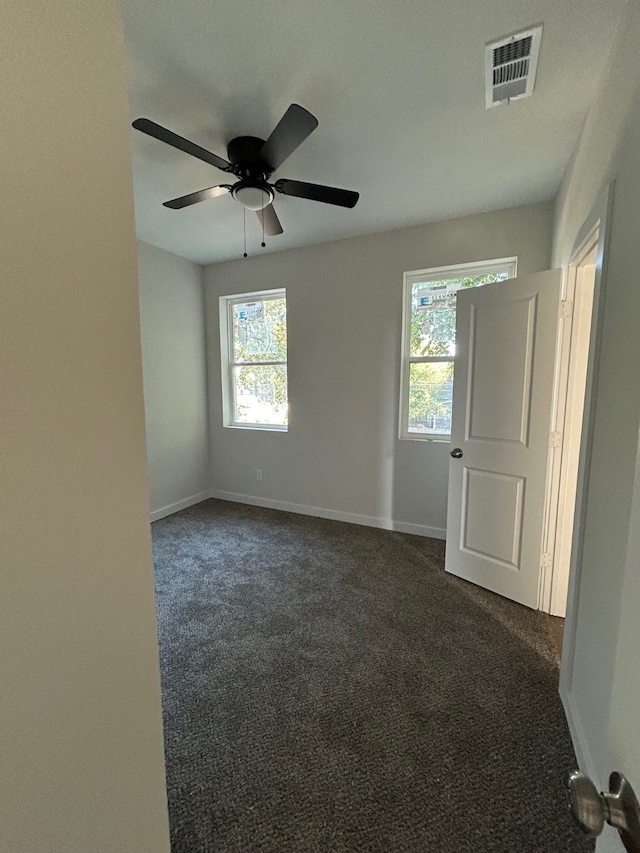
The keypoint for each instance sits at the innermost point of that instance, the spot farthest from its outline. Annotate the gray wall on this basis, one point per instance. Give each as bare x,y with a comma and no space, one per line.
341,455
175,387
606,660
82,766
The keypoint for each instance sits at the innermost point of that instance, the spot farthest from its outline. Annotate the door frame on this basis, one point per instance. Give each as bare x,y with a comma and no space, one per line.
598,219
572,351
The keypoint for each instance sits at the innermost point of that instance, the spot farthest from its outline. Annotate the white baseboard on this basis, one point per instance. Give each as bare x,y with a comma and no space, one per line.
418,529
157,514
335,515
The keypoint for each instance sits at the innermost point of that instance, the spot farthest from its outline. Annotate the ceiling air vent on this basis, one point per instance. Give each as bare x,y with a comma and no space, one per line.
510,66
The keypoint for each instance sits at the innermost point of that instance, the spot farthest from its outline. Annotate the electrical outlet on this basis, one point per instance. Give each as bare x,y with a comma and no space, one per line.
258,473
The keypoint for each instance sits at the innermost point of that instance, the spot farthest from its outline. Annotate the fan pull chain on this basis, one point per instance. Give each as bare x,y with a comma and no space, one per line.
263,244
244,227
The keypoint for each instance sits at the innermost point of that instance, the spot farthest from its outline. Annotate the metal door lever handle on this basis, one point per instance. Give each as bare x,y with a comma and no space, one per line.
456,453
619,808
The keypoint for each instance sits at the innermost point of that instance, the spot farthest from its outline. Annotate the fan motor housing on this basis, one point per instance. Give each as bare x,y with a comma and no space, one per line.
243,152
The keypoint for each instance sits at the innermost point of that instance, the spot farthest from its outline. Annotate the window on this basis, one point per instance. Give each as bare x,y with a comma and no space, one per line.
428,342
253,342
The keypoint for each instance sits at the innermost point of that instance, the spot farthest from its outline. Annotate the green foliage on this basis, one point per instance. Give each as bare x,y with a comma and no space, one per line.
266,382
264,339
263,386
430,387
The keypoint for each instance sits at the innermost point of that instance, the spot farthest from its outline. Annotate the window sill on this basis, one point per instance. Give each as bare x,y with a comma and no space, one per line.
258,427
438,439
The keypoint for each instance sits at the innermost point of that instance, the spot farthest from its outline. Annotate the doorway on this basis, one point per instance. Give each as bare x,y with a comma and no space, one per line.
523,545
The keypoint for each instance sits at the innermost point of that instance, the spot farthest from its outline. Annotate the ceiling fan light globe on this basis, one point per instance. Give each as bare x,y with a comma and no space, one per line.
252,196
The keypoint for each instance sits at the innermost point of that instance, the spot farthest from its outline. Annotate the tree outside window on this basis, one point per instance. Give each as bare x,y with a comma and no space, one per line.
255,332
429,343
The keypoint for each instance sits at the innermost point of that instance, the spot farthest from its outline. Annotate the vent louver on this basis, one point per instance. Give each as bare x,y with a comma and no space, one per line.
510,66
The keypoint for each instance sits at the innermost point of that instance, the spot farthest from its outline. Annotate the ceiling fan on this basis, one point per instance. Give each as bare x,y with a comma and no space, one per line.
252,161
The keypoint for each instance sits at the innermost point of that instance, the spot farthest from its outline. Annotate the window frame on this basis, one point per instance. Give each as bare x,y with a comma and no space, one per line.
228,364
424,276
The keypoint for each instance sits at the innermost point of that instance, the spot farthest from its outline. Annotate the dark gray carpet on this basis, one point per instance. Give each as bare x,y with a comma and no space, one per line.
327,687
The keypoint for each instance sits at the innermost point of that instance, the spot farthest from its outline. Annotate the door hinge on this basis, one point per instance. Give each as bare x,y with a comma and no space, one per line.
547,561
566,309
555,439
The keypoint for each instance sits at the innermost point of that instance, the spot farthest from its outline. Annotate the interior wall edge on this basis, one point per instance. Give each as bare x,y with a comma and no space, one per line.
174,361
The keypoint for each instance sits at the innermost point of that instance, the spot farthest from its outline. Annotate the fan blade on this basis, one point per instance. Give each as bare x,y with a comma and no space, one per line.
194,198
316,192
171,138
292,129
269,221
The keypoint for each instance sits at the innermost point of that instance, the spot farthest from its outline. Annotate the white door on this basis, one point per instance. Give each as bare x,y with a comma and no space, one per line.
503,388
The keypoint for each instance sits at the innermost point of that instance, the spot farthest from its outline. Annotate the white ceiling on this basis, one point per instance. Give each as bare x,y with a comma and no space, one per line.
398,89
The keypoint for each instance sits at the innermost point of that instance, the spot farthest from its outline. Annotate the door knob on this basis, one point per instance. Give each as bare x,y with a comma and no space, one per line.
619,808
457,453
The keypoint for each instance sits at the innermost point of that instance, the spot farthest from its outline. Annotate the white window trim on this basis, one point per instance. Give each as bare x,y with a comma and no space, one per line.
227,363
434,274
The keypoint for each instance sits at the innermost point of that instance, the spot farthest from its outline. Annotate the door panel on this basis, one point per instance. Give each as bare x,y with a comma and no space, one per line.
503,383
500,388
487,495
